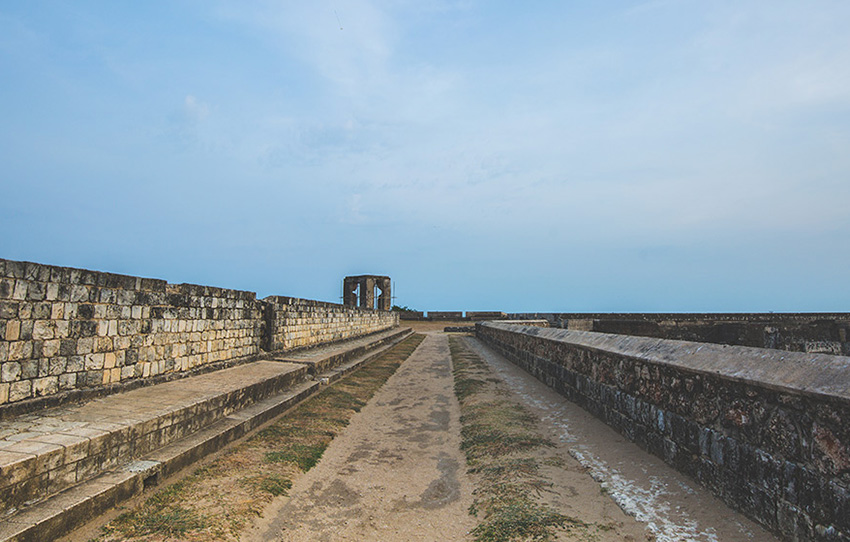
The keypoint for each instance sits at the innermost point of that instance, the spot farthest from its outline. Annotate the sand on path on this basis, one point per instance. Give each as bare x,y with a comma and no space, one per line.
673,507
396,473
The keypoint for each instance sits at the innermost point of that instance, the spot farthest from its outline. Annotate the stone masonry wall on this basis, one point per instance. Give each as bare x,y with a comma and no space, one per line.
68,333
298,323
65,329
765,430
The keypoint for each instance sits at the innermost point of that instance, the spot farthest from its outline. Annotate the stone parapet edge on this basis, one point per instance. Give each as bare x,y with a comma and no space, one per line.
778,370
798,497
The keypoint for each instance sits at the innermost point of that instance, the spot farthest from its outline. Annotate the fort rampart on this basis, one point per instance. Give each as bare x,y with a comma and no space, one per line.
73,333
765,430
825,333
299,323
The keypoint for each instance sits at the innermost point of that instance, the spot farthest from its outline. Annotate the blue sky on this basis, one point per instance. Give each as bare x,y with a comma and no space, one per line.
666,155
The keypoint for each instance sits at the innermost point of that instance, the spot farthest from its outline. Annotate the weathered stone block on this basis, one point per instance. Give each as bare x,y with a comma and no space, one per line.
20,350
42,329
837,502
52,293
17,467
94,362
41,311
37,349
67,381
20,390
9,309
43,367
45,386
103,344
830,453
7,286
90,378
29,369
10,372
63,329
57,365
13,330
109,360
51,347
36,291
85,345
20,291
67,347
76,364
79,294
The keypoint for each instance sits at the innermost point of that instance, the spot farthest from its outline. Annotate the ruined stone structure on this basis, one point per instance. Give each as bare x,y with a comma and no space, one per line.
766,430
73,333
359,291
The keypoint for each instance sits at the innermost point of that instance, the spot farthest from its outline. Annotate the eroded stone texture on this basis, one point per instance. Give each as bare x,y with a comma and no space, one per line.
765,430
70,331
297,323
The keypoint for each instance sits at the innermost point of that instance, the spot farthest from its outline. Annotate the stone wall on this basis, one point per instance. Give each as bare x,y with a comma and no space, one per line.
825,333
445,315
485,315
765,430
70,333
298,323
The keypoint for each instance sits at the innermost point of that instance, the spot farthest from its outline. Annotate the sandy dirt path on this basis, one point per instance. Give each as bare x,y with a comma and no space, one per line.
395,474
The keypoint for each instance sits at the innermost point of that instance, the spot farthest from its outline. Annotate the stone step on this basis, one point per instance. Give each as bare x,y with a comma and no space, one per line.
117,480
324,358
71,508
46,452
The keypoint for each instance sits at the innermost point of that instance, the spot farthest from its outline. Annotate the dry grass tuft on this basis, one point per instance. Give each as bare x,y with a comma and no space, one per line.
503,448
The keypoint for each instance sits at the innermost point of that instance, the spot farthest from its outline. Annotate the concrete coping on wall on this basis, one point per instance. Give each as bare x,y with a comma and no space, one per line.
795,372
